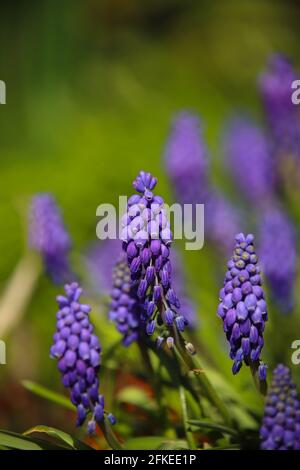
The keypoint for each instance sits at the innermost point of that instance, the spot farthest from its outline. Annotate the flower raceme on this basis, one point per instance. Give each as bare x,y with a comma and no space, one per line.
243,308
78,350
250,160
125,305
147,241
48,236
186,161
277,236
280,428
282,114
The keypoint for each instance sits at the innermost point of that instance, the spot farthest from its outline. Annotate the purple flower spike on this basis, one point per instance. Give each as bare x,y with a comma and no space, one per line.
282,114
78,350
187,167
186,159
250,160
280,428
48,236
155,302
100,260
278,255
125,307
243,309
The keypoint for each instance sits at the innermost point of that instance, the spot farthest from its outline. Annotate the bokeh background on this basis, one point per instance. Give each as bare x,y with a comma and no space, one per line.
91,89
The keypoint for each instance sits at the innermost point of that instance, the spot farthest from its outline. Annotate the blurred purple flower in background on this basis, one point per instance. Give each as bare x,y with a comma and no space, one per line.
243,308
78,350
282,114
249,160
222,221
278,254
280,428
48,236
186,159
125,306
100,261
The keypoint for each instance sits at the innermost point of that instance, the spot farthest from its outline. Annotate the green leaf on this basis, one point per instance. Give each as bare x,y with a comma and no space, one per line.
145,443
138,397
200,424
48,394
59,435
179,444
13,440
155,442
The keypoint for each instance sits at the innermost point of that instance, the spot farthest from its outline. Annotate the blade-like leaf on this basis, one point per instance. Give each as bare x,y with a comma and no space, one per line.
195,423
144,443
59,435
13,440
48,394
179,444
155,442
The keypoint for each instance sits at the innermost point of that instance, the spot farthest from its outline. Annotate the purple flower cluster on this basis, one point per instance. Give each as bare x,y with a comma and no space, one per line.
280,428
278,255
283,116
125,306
186,159
78,350
222,221
100,261
243,308
146,240
249,160
187,167
47,235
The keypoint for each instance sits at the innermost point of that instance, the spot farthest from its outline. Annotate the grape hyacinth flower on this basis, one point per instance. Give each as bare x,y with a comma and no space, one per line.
48,236
278,255
249,160
243,308
222,221
78,350
186,159
125,307
100,261
147,240
187,167
280,428
282,114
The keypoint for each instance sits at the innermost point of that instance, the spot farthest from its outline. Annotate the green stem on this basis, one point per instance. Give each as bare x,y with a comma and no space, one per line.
110,436
172,366
154,378
260,385
201,377
189,434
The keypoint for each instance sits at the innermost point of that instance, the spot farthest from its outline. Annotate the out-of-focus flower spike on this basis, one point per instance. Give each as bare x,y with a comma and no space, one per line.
249,160
278,255
282,114
48,236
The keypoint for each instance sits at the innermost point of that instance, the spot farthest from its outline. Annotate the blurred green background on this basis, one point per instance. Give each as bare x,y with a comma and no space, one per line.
91,88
